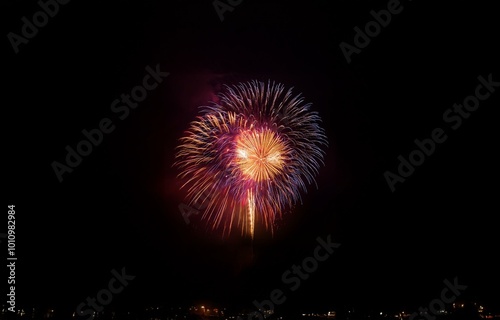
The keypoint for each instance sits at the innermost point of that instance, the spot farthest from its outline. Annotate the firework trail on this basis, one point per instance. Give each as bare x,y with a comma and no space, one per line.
248,157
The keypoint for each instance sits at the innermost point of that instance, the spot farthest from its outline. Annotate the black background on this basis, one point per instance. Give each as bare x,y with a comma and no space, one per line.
119,208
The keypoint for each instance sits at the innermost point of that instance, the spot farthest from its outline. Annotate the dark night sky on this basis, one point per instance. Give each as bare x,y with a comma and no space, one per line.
119,208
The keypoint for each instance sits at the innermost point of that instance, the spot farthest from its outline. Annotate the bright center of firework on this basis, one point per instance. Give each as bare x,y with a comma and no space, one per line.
259,154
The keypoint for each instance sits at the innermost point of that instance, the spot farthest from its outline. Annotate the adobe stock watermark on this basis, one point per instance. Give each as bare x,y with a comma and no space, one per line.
454,117
372,29
222,6
121,107
199,203
438,306
293,278
29,29
104,296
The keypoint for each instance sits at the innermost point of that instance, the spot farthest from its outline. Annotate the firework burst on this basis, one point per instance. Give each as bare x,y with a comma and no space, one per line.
249,157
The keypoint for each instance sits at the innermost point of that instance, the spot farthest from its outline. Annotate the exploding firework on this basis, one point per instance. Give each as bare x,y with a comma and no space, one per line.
249,156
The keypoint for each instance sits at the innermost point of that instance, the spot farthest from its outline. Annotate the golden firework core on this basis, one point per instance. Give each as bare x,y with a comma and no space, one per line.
259,154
